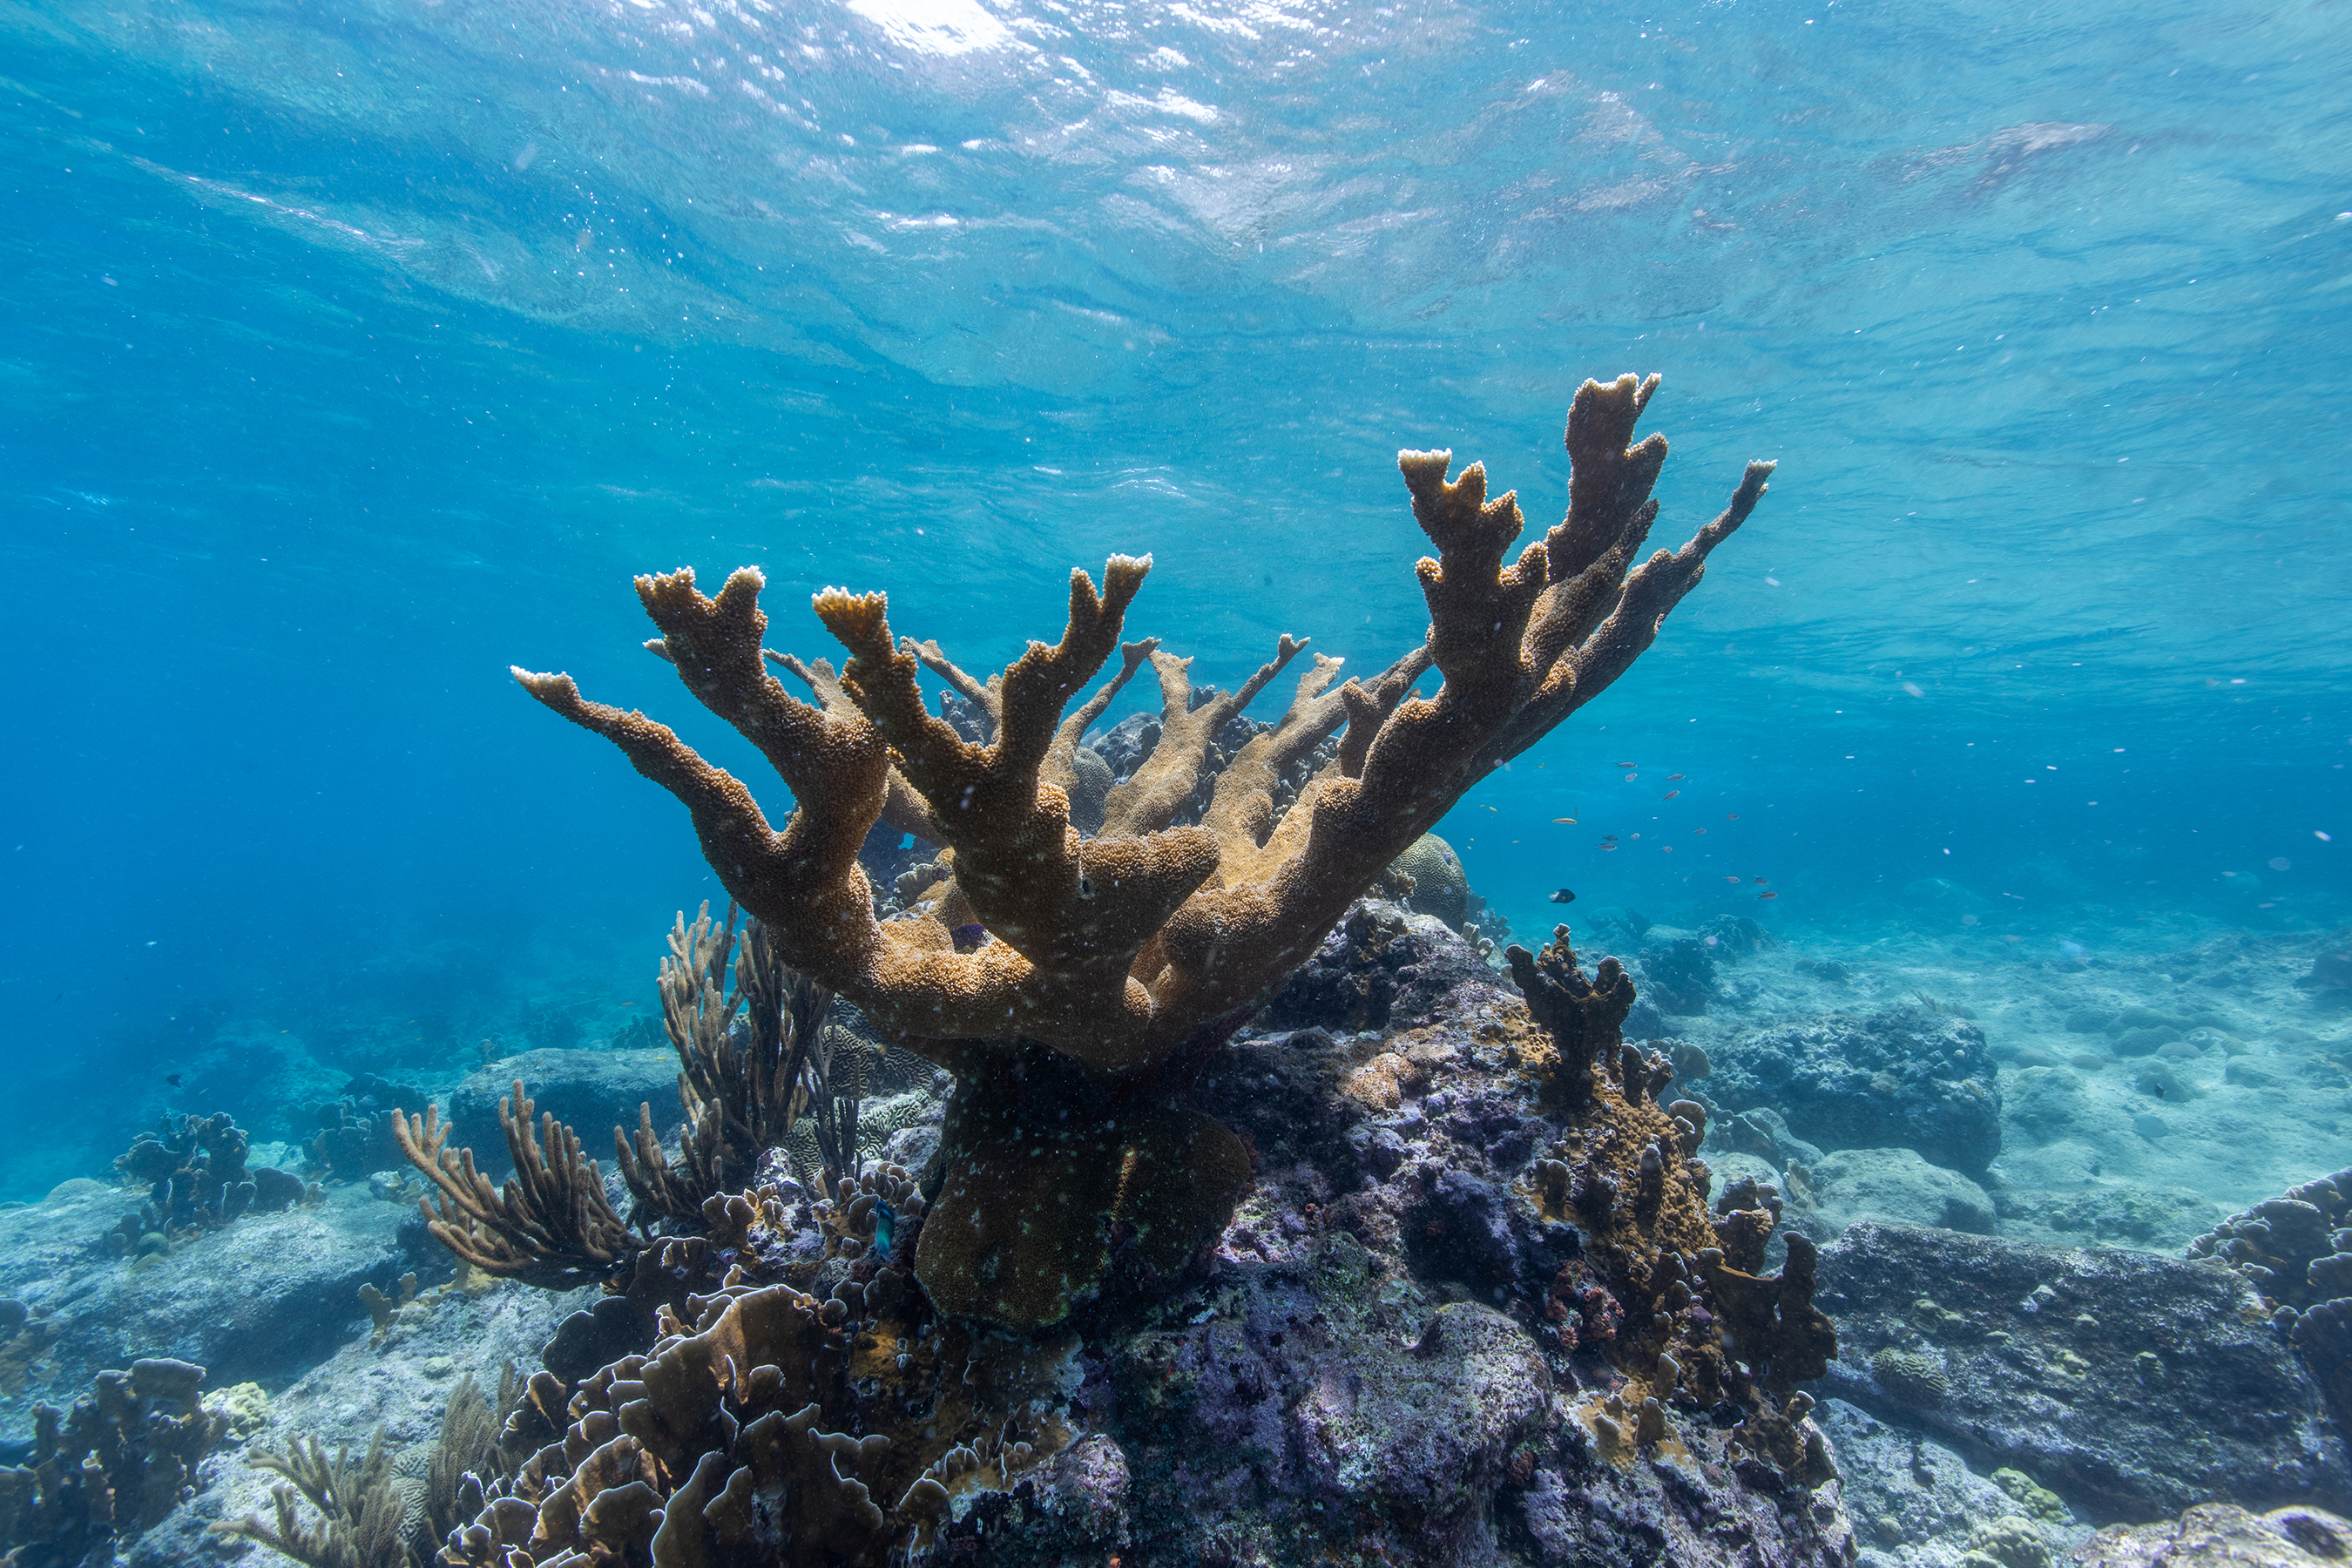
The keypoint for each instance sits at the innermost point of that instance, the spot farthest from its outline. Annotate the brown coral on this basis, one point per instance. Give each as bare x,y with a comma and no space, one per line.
552,1224
1146,944
1698,1324
113,1466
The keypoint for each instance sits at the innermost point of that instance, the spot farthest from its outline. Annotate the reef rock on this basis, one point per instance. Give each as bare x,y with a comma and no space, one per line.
2130,1384
263,1298
590,1091
2217,1535
1916,1503
1383,964
1905,1076
1893,1184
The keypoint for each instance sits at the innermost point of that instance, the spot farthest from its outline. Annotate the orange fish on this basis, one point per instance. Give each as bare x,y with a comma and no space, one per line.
1767,895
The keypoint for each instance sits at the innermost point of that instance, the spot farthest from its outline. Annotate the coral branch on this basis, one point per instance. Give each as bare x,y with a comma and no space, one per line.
552,1225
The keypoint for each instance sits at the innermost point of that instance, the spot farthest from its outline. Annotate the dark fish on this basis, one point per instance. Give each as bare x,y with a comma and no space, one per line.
1676,778
1670,794
970,937
1761,881
1563,896
1730,816
172,1079
1767,895
1625,764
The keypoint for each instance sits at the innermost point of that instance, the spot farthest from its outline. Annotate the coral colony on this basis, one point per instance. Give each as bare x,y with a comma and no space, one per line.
717,1405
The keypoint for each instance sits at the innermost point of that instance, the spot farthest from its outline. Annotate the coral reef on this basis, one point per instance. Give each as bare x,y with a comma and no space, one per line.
193,1171
1133,955
1376,969
2296,1249
115,1465
357,1515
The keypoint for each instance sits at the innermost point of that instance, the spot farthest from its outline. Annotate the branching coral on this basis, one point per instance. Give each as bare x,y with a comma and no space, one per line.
741,1086
551,1225
1131,954
358,1511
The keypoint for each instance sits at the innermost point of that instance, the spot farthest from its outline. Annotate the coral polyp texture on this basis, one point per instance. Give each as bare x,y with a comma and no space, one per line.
1124,958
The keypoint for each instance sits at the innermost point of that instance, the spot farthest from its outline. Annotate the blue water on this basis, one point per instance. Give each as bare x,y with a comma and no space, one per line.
351,353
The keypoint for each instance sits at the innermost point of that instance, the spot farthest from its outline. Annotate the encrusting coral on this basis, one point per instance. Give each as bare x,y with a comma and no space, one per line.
2296,1248
1043,957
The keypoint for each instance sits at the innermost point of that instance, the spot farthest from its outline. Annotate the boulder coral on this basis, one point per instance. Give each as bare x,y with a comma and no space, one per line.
1124,959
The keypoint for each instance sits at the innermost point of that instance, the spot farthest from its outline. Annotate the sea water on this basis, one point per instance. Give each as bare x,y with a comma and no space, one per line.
350,354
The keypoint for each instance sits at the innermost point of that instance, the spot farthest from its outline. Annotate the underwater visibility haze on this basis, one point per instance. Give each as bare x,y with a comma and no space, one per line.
1917,1149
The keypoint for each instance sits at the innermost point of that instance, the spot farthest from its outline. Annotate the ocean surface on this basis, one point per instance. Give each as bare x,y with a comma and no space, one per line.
351,353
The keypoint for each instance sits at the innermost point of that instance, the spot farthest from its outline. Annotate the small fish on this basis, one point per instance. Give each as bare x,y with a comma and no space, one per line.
970,937
172,1079
884,1226
1630,777
1676,778
1731,878
1670,794
1563,896
1568,819
1625,764
1761,881
1698,830
1767,895
1609,846
1730,816
1608,838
